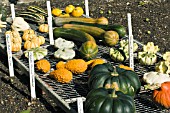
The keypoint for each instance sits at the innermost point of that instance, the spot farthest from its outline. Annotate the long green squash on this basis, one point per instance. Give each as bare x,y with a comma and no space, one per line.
111,38
120,29
72,34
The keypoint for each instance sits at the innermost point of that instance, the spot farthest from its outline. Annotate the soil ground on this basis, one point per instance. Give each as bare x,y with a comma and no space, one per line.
150,21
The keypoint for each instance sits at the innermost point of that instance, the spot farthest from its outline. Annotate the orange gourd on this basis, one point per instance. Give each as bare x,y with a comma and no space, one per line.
41,40
14,36
15,46
43,28
32,43
43,65
28,34
62,75
162,95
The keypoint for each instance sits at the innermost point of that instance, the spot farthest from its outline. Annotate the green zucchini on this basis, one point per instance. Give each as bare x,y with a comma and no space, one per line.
33,17
72,34
37,9
94,31
120,29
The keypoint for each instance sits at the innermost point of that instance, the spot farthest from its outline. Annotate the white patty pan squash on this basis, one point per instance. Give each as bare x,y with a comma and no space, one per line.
150,48
146,58
155,79
64,53
62,43
38,52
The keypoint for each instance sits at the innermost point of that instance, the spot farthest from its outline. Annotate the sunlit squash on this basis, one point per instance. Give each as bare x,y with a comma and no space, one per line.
103,100
162,95
108,76
88,50
32,43
43,28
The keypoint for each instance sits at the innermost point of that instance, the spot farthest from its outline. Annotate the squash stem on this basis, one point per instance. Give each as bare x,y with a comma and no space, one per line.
114,73
113,94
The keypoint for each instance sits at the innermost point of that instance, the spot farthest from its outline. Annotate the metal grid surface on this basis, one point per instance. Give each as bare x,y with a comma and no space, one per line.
78,86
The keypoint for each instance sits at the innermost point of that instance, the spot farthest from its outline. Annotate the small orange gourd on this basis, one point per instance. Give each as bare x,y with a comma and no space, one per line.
76,66
32,43
41,40
15,46
43,28
62,75
43,65
14,35
28,34
60,64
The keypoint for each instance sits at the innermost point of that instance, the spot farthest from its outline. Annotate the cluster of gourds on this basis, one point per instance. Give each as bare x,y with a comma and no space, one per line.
64,71
112,88
68,11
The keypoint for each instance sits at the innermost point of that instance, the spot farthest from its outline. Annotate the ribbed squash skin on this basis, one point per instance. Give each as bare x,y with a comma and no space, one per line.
72,34
111,38
88,50
105,75
103,100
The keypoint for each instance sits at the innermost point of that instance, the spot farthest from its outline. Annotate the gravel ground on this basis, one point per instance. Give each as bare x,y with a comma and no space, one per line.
15,95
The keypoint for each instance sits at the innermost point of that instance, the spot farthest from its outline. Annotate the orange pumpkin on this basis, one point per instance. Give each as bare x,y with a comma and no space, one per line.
43,28
28,34
41,40
77,12
15,46
32,43
29,31
162,95
14,36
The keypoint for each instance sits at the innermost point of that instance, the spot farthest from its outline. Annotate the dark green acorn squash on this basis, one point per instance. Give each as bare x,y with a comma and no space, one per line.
103,100
108,76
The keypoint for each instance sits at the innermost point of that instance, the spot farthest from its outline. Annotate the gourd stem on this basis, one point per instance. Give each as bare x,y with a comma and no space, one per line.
114,73
113,94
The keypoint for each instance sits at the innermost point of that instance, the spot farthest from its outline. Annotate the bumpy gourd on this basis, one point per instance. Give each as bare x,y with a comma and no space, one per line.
60,64
76,66
43,65
62,75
